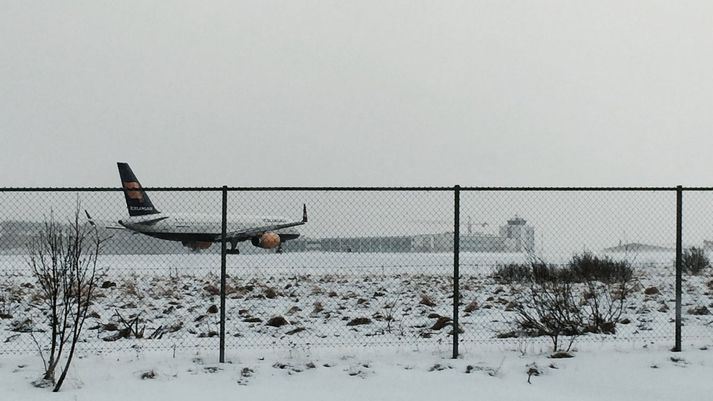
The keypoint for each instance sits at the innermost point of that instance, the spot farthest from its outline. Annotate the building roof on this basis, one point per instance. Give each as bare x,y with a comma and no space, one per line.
517,221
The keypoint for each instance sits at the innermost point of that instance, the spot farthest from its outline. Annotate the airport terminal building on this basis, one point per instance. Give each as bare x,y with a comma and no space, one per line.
515,236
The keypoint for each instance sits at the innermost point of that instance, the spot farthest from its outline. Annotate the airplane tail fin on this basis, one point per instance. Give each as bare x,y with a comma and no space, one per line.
137,201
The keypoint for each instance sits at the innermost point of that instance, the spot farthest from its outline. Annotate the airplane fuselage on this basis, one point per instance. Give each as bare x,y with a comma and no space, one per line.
200,228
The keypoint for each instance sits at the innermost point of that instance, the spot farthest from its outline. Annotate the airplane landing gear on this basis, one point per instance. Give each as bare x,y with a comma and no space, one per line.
234,250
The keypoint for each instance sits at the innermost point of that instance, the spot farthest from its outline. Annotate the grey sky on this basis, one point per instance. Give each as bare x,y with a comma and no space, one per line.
357,93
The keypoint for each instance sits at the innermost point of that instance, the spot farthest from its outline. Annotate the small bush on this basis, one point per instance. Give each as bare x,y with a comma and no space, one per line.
695,261
588,295
550,309
538,272
581,269
512,273
544,273
588,267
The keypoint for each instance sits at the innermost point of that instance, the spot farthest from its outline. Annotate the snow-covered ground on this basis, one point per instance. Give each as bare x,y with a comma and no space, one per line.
398,297
596,372
318,355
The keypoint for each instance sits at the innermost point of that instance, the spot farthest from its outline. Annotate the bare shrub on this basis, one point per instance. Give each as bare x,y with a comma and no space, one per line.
604,303
550,308
512,273
588,295
4,309
388,314
695,261
580,269
131,287
587,267
131,326
63,259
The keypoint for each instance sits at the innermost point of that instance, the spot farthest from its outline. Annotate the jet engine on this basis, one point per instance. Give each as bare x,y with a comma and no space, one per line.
268,240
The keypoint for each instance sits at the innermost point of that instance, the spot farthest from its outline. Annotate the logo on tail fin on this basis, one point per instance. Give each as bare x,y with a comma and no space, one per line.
133,191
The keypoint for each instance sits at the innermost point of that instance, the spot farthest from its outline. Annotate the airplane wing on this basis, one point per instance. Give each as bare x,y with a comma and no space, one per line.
102,223
242,235
114,226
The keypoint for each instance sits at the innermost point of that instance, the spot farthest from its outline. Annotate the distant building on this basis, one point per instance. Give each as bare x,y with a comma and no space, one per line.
636,247
362,244
521,235
474,242
516,236
15,235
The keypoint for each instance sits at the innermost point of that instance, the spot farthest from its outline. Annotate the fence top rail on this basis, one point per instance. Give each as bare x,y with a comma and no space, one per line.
357,189
574,189
218,189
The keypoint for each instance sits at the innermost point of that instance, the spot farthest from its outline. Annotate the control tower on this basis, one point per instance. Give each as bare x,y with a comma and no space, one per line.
519,236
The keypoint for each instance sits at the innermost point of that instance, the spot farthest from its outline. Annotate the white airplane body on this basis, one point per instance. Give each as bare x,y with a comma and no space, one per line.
199,231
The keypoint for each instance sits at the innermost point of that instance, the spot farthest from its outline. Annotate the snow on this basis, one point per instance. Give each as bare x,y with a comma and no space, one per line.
329,360
318,293
597,371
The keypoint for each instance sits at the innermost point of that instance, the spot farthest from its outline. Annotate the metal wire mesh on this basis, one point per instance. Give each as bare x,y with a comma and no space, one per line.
697,284
352,278
509,232
156,287
371,267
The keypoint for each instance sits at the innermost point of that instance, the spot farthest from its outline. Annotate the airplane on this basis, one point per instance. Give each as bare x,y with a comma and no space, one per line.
199,231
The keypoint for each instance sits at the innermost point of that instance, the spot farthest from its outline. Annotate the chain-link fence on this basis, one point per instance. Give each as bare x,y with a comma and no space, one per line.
370,266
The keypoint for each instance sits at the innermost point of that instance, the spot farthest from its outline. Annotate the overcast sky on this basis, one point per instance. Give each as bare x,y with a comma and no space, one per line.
342,93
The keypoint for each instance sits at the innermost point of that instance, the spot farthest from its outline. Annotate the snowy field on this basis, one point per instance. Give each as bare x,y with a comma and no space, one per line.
325,300
396,353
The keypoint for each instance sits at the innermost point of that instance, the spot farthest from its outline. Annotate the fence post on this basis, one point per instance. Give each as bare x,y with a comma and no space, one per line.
456,267
679,264
224,225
